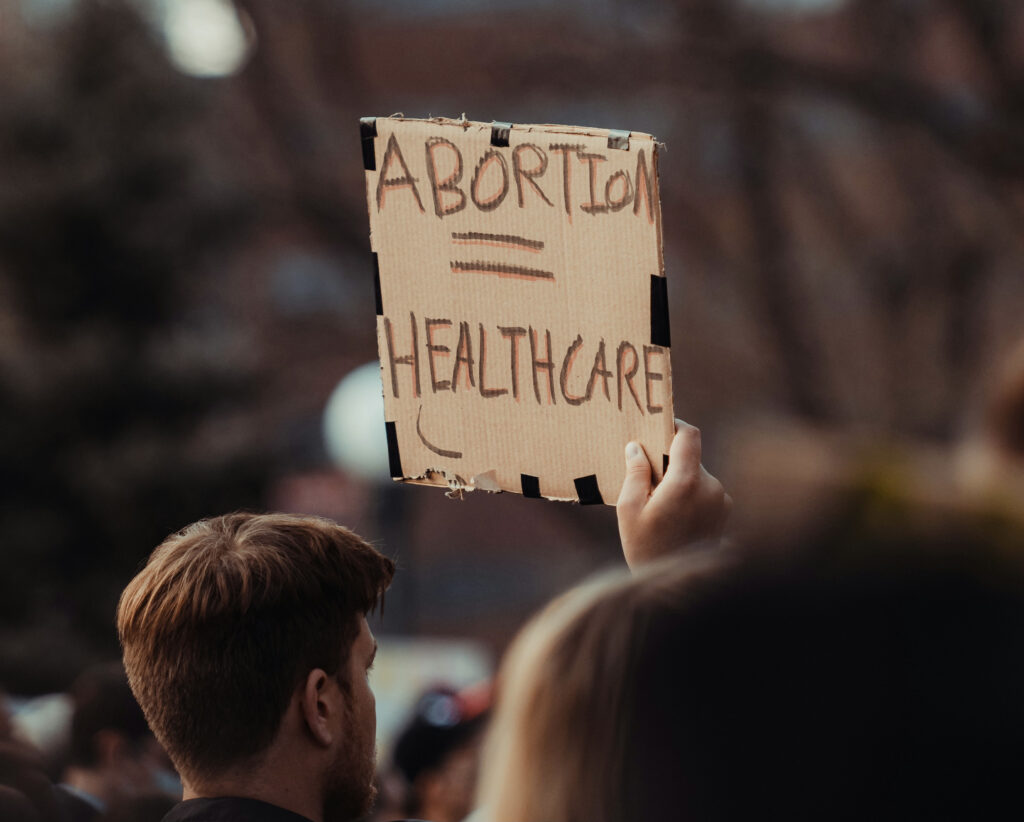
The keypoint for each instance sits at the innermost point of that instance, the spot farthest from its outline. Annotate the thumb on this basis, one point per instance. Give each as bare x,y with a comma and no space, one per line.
636,485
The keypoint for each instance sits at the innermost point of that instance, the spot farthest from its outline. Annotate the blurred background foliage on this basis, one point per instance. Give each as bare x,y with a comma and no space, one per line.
184,271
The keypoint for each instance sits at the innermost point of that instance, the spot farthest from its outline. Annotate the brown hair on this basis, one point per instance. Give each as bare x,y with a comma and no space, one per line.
874,678
228,617
556,747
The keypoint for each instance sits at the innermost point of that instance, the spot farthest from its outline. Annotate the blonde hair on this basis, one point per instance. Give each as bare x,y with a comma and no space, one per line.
556,746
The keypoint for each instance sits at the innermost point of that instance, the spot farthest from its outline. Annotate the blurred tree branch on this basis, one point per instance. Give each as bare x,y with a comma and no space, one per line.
305,82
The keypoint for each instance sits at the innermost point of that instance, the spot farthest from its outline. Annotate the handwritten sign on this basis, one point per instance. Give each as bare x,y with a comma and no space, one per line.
521,306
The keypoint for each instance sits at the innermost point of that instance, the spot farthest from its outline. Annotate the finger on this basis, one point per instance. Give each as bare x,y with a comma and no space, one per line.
684,453
636,486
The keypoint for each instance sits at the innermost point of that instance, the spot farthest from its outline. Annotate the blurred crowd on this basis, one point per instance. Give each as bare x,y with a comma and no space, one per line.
83,756
88,756
860,662
184,276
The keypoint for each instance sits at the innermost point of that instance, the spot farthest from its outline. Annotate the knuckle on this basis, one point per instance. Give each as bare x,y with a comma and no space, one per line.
715,489
684,484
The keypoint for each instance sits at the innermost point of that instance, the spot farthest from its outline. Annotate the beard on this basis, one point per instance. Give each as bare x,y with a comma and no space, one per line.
350,792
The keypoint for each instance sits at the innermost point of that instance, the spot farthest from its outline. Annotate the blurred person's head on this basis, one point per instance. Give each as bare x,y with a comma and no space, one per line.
44,723
555,748
1004,422
16,807
855,681
991,456
112,749
245,640
23,776
438,753
6,727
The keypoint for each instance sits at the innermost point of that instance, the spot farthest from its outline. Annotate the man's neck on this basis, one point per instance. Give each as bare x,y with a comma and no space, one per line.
285,787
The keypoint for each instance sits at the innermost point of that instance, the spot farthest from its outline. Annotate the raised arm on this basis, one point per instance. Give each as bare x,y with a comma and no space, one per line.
687,506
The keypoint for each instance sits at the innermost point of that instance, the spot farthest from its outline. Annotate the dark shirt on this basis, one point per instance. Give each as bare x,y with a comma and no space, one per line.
230,809
76,806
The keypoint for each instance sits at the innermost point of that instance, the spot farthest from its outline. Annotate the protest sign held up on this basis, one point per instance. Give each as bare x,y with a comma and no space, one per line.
522,317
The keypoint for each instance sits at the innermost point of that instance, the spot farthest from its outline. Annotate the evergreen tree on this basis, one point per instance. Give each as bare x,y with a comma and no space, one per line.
118,421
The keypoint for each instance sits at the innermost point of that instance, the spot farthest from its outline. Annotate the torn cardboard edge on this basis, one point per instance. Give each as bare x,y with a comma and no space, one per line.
618,139
587,491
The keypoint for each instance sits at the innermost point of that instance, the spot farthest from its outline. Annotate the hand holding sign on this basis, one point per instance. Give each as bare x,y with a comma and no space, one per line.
687,506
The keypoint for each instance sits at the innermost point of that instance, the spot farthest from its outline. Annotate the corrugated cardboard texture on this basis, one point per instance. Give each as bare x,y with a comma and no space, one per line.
522,321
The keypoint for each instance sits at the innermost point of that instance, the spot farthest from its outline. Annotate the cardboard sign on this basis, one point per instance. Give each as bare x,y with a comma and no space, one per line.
522,317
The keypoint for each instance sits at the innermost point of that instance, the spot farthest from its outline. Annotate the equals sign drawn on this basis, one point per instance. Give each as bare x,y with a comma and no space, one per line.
511,241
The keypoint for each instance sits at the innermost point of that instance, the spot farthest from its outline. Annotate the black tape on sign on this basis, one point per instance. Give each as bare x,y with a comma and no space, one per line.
368,132
587,490
531,486
659,312
499,134
394,460
376,285
618,139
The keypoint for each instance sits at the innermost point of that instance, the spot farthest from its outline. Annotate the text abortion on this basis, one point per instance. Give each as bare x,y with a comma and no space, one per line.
457,356
523,167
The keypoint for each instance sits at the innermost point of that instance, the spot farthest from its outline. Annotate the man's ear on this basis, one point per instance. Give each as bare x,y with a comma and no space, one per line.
320,706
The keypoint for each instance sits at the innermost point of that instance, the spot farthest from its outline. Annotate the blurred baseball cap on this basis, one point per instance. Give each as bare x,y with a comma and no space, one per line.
443,720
